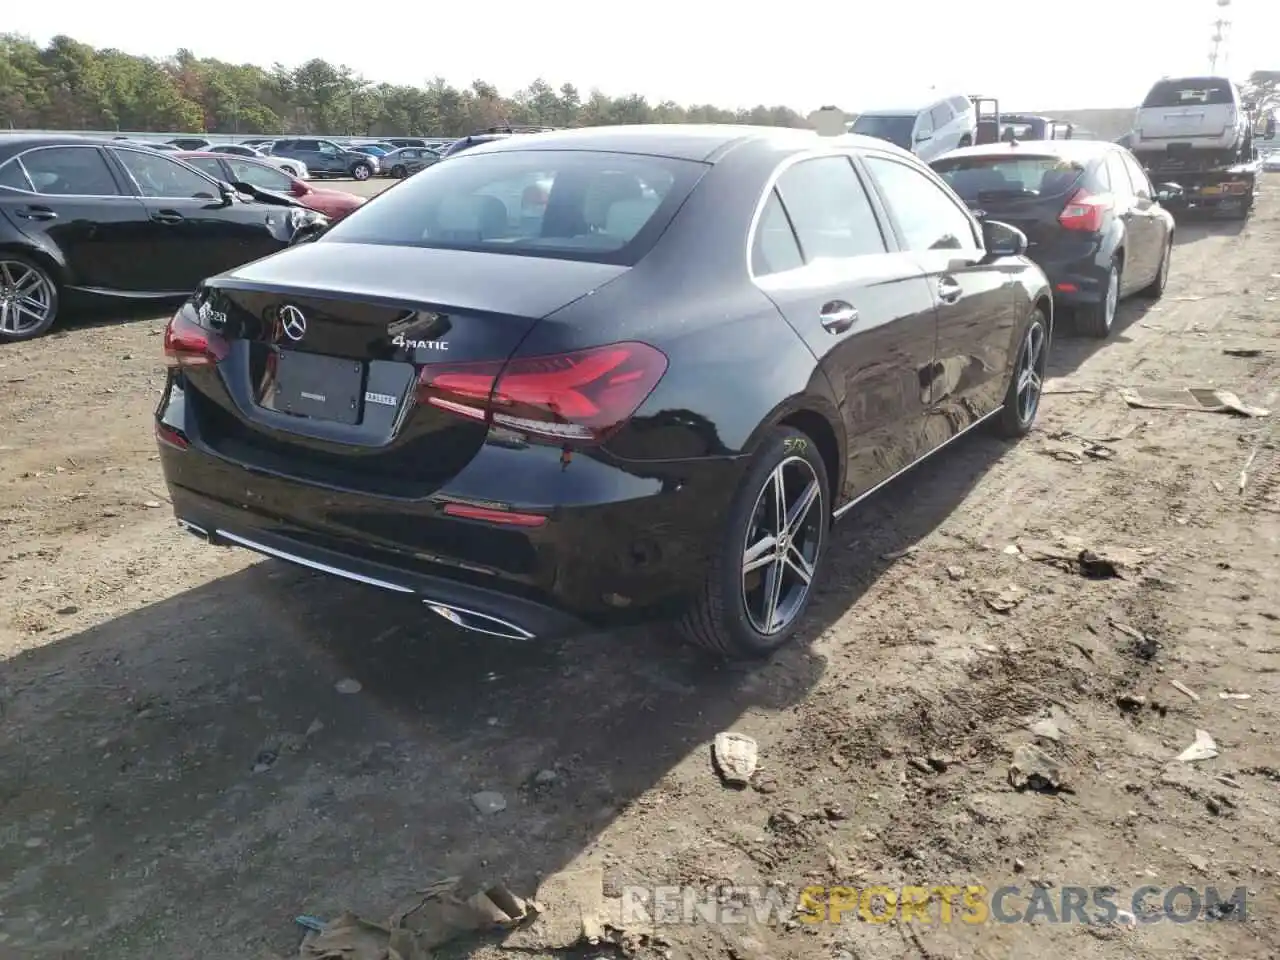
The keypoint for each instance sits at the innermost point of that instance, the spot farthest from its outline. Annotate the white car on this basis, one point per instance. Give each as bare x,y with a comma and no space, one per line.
928,130
295,168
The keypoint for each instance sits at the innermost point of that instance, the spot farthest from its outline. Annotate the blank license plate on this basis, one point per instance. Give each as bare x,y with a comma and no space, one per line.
323,388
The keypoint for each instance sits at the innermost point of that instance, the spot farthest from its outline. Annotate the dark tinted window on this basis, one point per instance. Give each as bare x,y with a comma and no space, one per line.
575,204
927,217
1189,91
158,176
829,209
894,129
70,171
304,145
11,175
984,179
775,248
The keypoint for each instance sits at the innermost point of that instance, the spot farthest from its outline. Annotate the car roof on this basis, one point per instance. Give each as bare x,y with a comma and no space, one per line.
1077,150
680,141
912,108
12,143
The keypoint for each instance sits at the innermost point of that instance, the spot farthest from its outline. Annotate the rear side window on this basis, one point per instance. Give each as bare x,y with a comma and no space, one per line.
70,171
829,209
775,249
1190,91
985,179
11,175
577,205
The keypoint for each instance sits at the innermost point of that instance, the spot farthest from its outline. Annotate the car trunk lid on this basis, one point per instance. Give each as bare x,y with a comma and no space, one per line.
324,344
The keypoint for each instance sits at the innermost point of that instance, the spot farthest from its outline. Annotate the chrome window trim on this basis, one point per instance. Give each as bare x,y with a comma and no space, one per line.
217,190
17,158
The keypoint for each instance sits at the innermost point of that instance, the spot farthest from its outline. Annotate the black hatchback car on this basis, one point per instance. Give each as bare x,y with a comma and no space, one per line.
625,371
1092,218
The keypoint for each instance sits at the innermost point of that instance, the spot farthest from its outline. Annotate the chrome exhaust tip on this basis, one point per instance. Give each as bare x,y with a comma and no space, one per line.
478,622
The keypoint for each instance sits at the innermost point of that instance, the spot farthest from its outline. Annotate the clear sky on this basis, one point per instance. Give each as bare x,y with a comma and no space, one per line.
801,53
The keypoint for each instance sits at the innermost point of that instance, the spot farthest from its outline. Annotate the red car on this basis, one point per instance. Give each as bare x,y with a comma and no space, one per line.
334,204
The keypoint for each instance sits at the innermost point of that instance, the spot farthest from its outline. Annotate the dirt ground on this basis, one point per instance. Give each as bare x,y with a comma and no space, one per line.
180,775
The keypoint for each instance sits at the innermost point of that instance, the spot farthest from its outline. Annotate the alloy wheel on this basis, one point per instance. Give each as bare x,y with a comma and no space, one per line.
1113,297
26,297
1031,367
784,538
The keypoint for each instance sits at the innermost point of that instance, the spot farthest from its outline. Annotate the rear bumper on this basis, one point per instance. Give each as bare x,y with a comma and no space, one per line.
621,541
1076,279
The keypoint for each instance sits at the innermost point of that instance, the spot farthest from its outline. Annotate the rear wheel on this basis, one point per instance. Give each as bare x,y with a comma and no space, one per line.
966,141
1026,385
762,573
1156,290
291,171
28,299
362,171
399,172
1096,319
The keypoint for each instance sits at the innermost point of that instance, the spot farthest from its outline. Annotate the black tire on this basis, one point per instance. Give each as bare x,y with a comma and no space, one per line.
291,171
1155,290
362,171
719,621
12,264
1016,418
1097,319
399,172
965,141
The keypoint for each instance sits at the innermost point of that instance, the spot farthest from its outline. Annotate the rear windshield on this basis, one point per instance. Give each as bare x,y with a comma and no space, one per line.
1192,91
570,204
896,130
987,179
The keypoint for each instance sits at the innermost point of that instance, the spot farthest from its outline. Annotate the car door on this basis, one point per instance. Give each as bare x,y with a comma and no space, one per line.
945,136
864,309
195,232
332,158
1137,239
977,324
1146,223
68,200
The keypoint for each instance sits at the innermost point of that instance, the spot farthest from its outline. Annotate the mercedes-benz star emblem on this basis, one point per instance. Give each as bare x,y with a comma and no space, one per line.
293,322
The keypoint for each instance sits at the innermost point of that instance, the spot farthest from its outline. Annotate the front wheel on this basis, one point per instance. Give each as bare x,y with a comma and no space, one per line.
1026,384
362,171
291,171
770,553
28,299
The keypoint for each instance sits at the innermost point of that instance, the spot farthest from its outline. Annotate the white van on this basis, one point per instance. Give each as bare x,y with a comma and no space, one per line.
928,131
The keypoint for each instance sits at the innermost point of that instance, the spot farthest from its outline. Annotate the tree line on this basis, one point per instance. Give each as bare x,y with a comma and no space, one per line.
68,85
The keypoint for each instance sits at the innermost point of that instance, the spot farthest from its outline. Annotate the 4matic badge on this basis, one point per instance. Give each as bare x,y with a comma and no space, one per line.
399,340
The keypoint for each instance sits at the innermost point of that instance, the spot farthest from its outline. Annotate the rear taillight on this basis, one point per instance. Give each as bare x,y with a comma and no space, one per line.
187,344
1085,211
578,397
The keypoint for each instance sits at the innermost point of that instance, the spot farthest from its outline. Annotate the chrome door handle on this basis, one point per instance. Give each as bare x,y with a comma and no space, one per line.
948,290
838,316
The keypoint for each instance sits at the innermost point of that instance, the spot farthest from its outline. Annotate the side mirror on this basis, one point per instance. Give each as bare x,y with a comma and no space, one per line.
1169,191
1002,240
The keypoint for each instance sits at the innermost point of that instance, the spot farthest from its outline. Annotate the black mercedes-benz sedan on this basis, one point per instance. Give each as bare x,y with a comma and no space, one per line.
611,372
109,218
1093,220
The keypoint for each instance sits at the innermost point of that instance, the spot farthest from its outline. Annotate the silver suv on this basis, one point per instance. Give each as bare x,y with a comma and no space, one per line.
1202,116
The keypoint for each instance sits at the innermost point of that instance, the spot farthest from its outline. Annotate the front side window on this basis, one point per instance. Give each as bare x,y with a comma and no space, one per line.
209,165
161,177
1137,176
70,171
940,115
928,218
580,205
260,176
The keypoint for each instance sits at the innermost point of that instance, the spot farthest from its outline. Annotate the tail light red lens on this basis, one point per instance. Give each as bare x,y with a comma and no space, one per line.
187,344
1085,212
578,397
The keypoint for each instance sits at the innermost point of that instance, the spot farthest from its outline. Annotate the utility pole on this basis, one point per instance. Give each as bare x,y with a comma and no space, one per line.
1221,30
